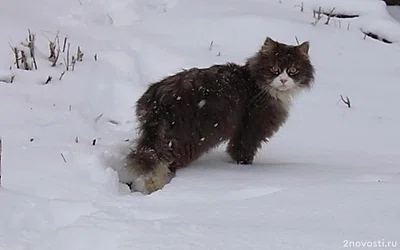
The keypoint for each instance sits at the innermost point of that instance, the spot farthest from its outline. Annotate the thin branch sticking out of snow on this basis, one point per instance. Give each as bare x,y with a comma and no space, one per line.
64,44
79,54
375,36
61,76
67,61
346,101
63,157
49,78
317,17
53,54
300,6
7,78
329,16
31,46
97,118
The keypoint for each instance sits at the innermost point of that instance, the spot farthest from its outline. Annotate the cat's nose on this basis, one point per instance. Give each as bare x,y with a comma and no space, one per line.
283,80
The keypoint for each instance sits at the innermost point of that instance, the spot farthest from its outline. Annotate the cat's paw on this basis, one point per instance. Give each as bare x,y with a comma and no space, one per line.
244,162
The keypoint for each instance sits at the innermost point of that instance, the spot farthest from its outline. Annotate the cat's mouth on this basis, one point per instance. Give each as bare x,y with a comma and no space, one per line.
284,88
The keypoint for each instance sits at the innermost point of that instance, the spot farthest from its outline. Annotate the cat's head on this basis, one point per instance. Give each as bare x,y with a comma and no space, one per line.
282,68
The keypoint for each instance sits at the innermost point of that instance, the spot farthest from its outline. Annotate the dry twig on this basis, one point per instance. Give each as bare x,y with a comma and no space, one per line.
73,63
31,46
16,57
67,62
62,155
61,76
318,17
329,16
49,78
79,54
346,101
300,6
64,44
58,51
24,60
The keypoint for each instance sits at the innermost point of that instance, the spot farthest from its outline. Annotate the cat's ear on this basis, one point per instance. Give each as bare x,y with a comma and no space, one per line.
268,45
304,47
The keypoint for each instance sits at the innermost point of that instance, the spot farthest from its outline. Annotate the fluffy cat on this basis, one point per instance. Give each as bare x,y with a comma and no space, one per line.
185,115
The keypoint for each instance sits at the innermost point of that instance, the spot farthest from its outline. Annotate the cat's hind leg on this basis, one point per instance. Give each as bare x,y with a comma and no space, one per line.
146,172
147,169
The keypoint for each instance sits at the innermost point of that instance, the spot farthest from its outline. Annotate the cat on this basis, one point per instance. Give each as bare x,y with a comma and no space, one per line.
183,116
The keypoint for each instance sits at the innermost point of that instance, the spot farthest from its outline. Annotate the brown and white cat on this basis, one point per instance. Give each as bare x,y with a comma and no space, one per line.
185,115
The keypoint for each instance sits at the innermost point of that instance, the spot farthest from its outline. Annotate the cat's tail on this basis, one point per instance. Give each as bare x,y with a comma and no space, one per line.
144,171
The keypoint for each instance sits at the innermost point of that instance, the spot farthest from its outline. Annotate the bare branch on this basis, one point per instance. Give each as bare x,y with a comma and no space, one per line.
113,121
79,54
16,57
58,52
67,62
300,6
329,16
97,118
7,78
61,76
318,17
24,60
73,63
346,101
31,46
63,157
64,44
52,48
49,78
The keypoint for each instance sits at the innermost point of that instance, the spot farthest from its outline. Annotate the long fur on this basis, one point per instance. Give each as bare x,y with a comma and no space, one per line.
185,115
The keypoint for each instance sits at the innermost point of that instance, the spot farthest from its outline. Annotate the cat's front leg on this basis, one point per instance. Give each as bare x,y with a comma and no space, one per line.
245,142
248,138
243,147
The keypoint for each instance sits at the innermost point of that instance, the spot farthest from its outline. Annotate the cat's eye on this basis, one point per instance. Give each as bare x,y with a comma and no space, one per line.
275,70
292,71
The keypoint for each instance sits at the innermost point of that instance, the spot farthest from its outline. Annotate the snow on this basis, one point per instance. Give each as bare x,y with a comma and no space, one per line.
329,177
373,15
394,11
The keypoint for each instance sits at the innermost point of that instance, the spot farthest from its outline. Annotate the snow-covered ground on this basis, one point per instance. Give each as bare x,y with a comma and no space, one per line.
329,179
394,11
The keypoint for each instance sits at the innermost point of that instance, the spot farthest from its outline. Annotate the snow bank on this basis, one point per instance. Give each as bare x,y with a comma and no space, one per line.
373,15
